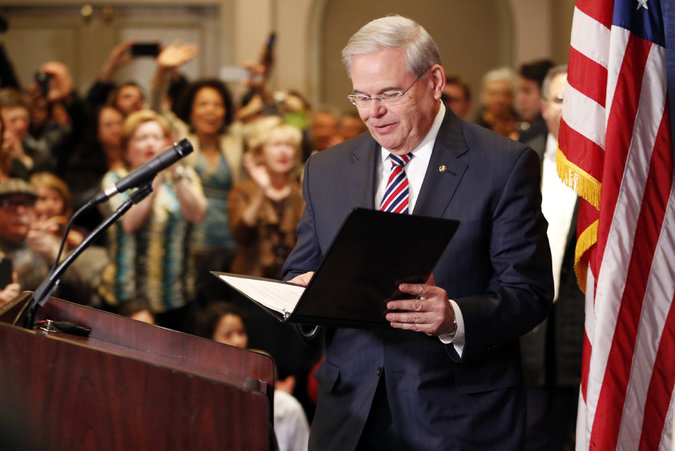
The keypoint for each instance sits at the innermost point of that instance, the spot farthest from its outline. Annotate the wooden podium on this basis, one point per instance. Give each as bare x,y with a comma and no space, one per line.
127,386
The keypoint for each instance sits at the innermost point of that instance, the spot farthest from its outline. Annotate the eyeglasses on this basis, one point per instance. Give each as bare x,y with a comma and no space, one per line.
558,98
13,204
387,98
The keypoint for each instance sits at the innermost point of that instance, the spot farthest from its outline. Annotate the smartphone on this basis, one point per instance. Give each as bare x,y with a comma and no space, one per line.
5,272
271,40
42,79
145,49
268,55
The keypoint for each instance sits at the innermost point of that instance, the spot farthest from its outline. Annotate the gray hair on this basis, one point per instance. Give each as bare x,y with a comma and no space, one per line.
498,74
550,75
396,32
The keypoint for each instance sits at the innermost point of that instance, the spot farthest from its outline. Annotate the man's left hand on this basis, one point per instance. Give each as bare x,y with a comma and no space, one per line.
428,311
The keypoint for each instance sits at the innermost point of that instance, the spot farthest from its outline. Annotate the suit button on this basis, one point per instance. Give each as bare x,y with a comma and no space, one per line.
379,371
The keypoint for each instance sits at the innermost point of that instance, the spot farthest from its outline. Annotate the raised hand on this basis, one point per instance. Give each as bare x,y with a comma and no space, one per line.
177,54
257,171
118,57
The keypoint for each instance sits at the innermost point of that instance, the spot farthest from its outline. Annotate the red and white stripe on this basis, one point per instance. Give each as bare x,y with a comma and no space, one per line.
615,109
396,195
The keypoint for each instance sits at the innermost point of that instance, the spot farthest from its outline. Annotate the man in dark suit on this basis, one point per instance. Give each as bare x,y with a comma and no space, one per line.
446,374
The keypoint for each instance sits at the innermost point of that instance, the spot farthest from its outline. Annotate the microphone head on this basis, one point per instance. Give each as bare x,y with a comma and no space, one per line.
183,147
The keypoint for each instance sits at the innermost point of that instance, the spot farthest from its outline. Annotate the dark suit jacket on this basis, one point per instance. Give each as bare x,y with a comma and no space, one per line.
497,268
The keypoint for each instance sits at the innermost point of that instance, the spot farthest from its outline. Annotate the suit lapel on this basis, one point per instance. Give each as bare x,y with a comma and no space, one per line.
361,186
445,169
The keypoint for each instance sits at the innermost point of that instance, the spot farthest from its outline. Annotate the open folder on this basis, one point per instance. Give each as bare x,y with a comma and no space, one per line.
371,255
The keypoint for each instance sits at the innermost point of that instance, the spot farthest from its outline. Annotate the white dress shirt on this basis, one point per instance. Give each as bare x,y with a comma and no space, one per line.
557,204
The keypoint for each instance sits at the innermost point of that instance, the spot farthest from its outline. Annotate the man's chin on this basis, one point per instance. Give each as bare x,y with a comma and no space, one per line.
395,147
387,141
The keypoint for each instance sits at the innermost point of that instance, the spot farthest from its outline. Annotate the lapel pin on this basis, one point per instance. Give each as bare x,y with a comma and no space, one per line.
442,168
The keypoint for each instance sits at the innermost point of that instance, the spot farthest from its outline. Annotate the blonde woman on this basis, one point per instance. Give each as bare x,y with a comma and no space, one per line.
264,210
149,247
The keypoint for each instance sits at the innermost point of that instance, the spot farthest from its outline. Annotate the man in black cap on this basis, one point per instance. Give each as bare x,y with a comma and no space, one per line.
33,251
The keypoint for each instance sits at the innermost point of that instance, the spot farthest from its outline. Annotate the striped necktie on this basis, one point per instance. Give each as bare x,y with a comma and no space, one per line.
395,199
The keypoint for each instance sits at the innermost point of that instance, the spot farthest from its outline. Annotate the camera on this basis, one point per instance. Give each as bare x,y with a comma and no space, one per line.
42,79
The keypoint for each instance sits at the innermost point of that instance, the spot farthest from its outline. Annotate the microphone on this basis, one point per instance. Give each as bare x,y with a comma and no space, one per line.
148,171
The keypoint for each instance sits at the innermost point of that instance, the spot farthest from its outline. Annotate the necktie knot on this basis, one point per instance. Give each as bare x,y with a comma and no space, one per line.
400,160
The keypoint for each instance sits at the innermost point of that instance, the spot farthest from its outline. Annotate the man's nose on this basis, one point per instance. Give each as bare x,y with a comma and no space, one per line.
376,108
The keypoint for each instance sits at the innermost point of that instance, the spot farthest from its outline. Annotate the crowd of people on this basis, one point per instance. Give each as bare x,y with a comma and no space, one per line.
232,205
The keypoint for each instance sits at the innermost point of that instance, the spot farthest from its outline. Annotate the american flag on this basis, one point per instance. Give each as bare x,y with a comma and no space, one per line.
616,151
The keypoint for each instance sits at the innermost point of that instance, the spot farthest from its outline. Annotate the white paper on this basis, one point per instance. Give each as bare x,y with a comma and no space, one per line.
278,296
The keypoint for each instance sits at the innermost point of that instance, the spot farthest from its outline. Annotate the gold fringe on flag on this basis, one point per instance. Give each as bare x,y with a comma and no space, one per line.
585,241
579,180
588,188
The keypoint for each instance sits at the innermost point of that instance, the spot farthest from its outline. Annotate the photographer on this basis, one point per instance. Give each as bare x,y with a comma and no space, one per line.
58,115
127,97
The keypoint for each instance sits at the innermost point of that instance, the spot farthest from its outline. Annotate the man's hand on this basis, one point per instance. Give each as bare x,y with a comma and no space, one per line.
429,311
303,279
43,242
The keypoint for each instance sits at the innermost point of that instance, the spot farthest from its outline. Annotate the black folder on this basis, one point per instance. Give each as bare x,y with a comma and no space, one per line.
371,255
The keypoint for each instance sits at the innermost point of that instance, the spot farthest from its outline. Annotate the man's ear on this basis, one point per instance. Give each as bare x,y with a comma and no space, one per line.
438,77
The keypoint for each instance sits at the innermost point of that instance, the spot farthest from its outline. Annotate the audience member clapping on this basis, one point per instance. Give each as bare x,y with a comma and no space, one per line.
149,248
265,210
15,111
205,112
32,250
53,208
